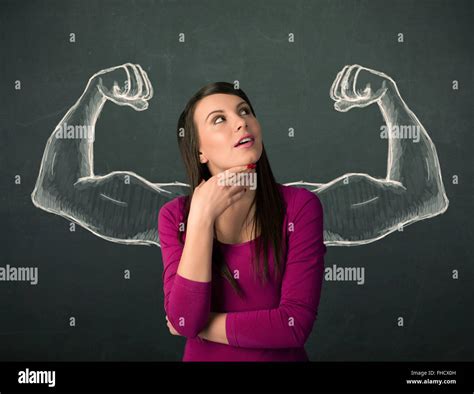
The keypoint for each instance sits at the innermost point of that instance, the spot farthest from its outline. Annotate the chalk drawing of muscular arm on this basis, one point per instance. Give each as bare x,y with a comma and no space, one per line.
123,207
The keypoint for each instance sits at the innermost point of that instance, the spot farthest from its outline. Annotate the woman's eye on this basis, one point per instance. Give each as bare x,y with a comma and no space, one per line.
218,117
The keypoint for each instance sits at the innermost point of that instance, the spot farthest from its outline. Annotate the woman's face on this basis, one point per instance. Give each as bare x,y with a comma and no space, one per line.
222,120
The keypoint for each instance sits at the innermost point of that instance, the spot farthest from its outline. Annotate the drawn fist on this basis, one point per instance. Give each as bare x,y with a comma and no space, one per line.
127,84
357,86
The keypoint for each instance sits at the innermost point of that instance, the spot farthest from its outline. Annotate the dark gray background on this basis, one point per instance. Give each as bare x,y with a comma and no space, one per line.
407,273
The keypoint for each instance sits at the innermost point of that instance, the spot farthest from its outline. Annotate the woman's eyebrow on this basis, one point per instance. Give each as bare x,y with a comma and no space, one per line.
220,110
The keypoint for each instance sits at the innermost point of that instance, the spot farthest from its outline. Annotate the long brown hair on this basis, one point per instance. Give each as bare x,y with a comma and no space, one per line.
269,208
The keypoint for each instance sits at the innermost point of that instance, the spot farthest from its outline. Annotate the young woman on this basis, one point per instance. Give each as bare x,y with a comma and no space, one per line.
243,267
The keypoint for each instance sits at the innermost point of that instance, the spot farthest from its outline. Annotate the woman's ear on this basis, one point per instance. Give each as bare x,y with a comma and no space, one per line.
202,158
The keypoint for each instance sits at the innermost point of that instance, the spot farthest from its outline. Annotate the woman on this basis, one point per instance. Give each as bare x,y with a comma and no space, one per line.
230,305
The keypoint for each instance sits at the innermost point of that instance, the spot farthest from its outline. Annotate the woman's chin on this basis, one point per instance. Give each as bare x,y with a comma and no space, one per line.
249,156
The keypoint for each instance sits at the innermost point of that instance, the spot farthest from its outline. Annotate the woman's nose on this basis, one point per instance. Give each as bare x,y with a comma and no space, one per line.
241,124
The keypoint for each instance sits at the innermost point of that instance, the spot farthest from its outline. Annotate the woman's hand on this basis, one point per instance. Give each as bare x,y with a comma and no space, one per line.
171,328
214,196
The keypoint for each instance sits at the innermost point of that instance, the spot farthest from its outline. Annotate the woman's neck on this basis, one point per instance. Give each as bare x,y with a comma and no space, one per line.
234,225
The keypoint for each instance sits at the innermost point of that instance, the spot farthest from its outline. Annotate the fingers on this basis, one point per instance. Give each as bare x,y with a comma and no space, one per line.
346,105
237,169
335,88
134,84
170,327
137,90
138,105
236,193
122,92
148,89
236,189
344,88
233,177
141,85
348,83
344,85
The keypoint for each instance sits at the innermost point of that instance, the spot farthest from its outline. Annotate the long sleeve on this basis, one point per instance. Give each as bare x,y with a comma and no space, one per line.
290,324
187,302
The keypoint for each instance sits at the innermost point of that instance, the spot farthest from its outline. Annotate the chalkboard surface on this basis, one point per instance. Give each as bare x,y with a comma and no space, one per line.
96,299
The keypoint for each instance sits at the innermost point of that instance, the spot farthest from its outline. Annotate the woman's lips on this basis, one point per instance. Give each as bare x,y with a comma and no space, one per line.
246,145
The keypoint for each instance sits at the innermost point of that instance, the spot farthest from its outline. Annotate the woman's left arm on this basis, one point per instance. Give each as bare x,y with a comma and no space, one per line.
215,330
290,324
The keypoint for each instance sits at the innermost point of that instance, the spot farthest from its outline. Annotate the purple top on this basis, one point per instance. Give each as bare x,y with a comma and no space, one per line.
272,321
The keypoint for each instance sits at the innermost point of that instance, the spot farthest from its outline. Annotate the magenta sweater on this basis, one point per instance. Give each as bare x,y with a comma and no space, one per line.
274,320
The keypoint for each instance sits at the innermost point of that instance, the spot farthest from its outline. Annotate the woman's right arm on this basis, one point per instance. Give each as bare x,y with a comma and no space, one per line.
210,199
198,248
187,271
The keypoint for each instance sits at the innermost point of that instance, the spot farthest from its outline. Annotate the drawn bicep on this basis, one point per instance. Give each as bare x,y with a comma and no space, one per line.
359,209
